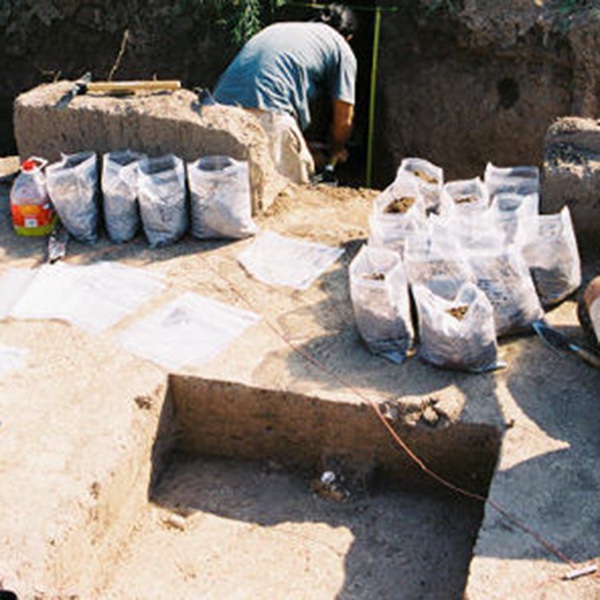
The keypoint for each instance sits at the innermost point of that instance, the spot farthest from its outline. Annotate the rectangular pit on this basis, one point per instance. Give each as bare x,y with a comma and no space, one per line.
231,420
238,509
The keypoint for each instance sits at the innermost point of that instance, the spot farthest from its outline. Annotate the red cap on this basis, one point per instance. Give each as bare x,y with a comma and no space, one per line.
29,165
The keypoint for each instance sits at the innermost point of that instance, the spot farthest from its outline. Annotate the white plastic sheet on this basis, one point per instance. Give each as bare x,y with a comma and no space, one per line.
190,330
11,358
12,286
93,297
279,260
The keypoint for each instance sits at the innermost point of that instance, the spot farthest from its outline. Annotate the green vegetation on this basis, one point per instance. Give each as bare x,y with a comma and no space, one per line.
448,6
241,18
567,7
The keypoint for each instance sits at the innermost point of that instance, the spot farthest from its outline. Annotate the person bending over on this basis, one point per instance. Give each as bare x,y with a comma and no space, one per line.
281,70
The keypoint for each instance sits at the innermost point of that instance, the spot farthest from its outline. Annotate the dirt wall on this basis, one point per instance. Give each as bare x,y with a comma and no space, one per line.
459,81
475,81
152,123
571,176
44,41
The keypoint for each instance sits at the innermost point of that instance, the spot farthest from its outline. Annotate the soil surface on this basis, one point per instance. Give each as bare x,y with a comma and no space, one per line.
226,529
84,518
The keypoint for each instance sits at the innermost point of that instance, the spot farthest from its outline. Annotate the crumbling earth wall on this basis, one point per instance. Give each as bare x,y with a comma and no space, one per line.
45,41
459,82
463,83
571,175
152,123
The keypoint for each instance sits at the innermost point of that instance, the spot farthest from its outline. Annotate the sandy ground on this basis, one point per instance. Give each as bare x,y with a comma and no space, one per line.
255,531
81,518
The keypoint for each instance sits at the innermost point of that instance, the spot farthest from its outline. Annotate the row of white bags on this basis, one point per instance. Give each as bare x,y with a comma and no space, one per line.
151,192
480,260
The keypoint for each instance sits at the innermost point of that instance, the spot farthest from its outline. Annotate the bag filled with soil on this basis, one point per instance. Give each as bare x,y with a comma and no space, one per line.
523,179
120,194
73,188
436,261
380,301
501,272
162,196
221,205
457,334
398,212
464,196
469,230
510,211
550,249
428,177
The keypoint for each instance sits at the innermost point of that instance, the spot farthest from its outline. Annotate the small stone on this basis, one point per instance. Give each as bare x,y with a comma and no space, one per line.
430,416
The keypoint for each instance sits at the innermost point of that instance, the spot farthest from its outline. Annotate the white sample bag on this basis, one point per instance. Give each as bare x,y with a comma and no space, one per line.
120,194
459,333
464,196
73,188
380,301
93,297
550,249
190,330
501,272
221,204
428,177
398,212
162,196
280,260
509,211
435,260
523,179
466,231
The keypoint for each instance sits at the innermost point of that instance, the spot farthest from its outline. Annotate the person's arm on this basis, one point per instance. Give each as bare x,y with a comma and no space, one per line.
341,128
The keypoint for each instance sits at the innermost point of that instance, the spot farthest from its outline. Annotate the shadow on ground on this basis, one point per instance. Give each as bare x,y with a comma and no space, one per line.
404,543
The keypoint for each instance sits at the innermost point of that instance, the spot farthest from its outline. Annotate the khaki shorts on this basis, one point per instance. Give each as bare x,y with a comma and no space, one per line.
289,150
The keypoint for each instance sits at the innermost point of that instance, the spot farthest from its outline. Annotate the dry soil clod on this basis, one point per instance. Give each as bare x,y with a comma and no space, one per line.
400,206
375,276
426,178
464,200
458,312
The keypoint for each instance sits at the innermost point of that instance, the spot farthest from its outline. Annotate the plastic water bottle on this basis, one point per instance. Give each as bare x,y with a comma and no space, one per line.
32,211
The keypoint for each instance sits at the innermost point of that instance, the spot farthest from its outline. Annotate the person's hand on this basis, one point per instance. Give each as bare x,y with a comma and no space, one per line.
340,155
320,154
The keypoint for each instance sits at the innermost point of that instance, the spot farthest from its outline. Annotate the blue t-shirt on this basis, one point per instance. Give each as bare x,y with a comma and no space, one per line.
284,66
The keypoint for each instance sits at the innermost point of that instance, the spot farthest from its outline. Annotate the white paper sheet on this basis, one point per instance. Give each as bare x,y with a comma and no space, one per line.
12,286
275,259
190,330
11,358
93,297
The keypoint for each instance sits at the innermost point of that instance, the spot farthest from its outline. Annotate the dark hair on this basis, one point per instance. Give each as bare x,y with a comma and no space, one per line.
340,17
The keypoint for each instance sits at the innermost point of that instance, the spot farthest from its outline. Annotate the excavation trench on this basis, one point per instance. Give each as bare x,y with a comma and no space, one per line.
250,463
218,494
